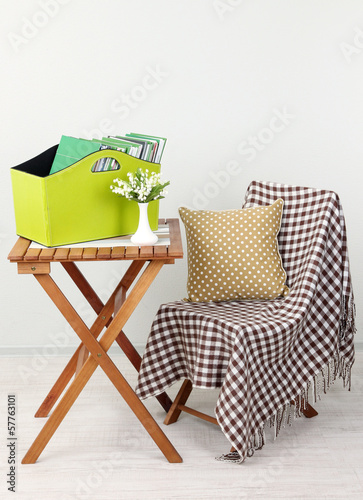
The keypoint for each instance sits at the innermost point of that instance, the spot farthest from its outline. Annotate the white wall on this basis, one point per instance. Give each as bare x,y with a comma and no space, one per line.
209,76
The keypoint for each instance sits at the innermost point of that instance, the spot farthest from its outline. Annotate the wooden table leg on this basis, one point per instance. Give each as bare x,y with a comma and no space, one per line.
82,358
135,358
70,397
180,399
99,357
130,351
83,285
79,357
91,297
70,369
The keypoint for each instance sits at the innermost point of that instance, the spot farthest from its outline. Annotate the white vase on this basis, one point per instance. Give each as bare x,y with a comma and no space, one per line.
144,235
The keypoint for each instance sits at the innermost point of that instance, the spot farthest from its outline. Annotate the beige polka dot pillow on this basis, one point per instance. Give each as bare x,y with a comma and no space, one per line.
233,254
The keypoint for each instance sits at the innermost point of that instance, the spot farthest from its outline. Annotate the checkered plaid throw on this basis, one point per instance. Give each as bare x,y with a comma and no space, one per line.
266,356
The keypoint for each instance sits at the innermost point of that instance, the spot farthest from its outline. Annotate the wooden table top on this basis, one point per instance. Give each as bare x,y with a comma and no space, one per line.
172,249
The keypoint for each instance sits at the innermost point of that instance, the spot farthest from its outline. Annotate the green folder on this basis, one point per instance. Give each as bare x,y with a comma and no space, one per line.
160,140
116,142
145,144
70,150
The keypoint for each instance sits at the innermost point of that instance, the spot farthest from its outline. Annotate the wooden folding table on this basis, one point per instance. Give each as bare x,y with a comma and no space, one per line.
111,318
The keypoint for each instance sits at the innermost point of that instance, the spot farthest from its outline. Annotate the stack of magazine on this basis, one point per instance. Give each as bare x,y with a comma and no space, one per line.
71,149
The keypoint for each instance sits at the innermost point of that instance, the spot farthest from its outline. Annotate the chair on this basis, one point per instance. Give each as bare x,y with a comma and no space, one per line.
266,356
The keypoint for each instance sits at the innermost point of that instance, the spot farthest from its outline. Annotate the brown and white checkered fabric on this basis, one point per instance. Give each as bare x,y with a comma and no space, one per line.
264,354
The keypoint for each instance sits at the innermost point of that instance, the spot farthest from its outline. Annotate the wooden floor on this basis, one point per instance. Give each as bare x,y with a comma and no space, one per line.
101,452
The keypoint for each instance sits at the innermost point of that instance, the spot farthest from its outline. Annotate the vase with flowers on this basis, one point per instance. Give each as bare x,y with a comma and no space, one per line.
143,188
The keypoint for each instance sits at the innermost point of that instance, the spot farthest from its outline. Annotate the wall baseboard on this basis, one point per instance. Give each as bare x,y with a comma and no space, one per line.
49,351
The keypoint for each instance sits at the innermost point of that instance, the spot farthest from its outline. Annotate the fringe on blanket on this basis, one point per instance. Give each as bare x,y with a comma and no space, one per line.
337,367
348,312
285,416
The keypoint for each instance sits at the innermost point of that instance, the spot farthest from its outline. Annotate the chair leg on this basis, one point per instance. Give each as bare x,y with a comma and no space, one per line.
309,411
181,398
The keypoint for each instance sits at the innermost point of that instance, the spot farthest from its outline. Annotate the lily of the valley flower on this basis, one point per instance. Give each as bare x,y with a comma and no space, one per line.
141,187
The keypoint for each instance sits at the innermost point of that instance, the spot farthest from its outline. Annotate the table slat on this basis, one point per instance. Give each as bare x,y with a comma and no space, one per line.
89,253
19,249
146,252
75,254
132,252
104,253
161,251
47,254
118,253
61,253
32,254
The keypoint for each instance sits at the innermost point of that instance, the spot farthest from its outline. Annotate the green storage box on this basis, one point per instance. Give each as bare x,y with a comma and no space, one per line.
75,204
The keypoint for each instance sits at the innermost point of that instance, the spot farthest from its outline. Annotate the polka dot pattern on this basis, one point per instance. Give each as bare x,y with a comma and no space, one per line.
233,254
